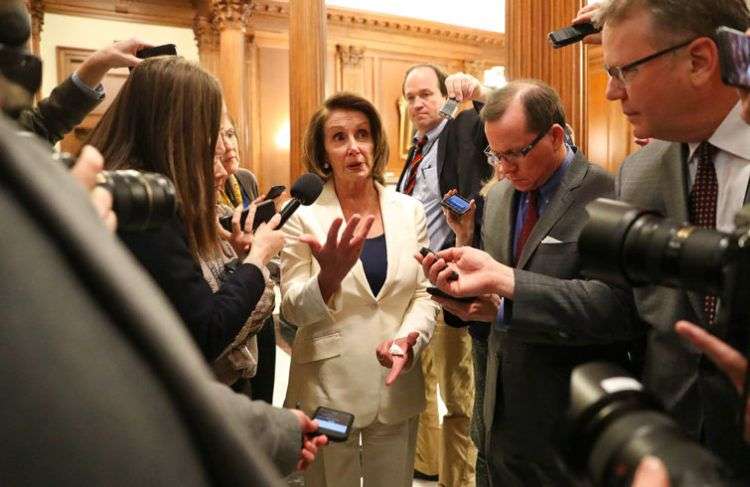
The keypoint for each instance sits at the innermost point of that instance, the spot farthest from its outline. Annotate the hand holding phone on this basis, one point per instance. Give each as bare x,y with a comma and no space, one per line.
274,192
456,204
263,213
571,35
336,425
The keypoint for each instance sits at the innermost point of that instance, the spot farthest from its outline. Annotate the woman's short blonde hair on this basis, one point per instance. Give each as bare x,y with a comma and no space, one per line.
314,151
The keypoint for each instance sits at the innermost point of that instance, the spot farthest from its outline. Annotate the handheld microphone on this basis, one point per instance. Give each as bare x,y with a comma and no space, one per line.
305,191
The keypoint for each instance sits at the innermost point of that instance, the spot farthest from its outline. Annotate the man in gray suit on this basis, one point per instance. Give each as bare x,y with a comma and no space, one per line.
665,72
550,318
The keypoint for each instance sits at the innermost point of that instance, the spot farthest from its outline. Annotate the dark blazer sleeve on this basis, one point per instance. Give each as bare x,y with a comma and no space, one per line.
56,115
465,165
213,319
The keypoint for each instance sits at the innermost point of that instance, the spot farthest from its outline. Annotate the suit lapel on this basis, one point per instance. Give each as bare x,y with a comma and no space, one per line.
442,147
674,189
392,222
498,232
559,204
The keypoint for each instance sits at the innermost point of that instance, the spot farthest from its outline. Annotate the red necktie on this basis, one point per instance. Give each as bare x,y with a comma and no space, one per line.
411,181
529,220
702,207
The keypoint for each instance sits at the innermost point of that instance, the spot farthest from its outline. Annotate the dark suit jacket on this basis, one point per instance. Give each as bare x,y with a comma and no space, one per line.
695,393
101,383
214,319
461,163
56,115
558,320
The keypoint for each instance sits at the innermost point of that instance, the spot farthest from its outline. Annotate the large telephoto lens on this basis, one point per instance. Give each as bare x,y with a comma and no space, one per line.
627,245
612,425
141,200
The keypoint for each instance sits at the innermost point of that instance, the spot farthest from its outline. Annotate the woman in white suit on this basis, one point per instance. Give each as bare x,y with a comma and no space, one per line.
356,294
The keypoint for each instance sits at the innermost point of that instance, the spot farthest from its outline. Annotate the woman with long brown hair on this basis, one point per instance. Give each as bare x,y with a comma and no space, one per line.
166,120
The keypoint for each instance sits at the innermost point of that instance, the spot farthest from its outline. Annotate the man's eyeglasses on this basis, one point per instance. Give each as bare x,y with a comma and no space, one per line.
623,73
494,158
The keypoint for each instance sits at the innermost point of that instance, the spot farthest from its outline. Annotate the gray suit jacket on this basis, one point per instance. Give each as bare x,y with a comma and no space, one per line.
557,321
693,391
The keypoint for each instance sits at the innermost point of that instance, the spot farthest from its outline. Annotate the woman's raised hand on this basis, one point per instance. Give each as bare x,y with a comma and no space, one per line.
338,255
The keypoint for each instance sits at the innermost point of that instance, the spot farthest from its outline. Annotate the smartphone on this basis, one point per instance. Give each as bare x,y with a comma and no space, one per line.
434,291
263,213
449,109
734,56
424,251
336,425
456,204
571,35
163,50
275,192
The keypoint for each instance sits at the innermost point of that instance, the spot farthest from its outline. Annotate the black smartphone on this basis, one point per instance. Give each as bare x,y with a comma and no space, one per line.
163,50
456,204
734,56
275,192
434,291
571,35
336,425
263,213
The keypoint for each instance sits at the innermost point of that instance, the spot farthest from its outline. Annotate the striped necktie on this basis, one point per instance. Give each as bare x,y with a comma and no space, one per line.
411,181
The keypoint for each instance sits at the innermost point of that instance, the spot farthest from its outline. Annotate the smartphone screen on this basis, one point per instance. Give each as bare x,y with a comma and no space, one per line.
734,56
456,204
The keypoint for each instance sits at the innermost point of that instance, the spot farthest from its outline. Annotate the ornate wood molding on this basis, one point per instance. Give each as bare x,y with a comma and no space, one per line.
350,55
36,12
232,14
390,23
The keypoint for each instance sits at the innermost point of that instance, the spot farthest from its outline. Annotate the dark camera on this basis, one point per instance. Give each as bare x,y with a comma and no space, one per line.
625,245
612,424
141,200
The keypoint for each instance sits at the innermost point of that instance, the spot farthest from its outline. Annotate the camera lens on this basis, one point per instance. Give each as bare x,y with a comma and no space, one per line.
141,200
612,425
626,245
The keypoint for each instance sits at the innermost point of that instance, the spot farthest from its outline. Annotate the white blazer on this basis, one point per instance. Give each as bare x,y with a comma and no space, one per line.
333,355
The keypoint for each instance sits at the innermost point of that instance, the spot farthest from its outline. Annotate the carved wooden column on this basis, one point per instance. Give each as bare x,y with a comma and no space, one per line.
530,55
229,18
207,40
350,73
307,62
36,12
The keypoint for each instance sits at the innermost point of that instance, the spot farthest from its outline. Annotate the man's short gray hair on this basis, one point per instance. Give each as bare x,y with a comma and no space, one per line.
680,18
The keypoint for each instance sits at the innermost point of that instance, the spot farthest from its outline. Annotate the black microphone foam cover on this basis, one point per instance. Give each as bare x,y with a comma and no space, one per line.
307,188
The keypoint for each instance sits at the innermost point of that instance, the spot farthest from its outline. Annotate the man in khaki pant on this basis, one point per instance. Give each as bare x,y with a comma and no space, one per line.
446,154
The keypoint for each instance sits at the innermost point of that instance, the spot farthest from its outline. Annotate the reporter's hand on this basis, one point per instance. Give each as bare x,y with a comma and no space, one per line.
462,225
337,255
465,271
310,444
727,359
89,164
266,241
651,472
482,308
118,55
462,86
586,14
396,362
241,238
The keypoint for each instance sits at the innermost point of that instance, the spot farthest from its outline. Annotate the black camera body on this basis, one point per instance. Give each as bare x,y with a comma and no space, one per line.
141,200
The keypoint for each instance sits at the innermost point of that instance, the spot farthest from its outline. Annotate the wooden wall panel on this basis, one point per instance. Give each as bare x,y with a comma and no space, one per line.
609,134
273,78
530,55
